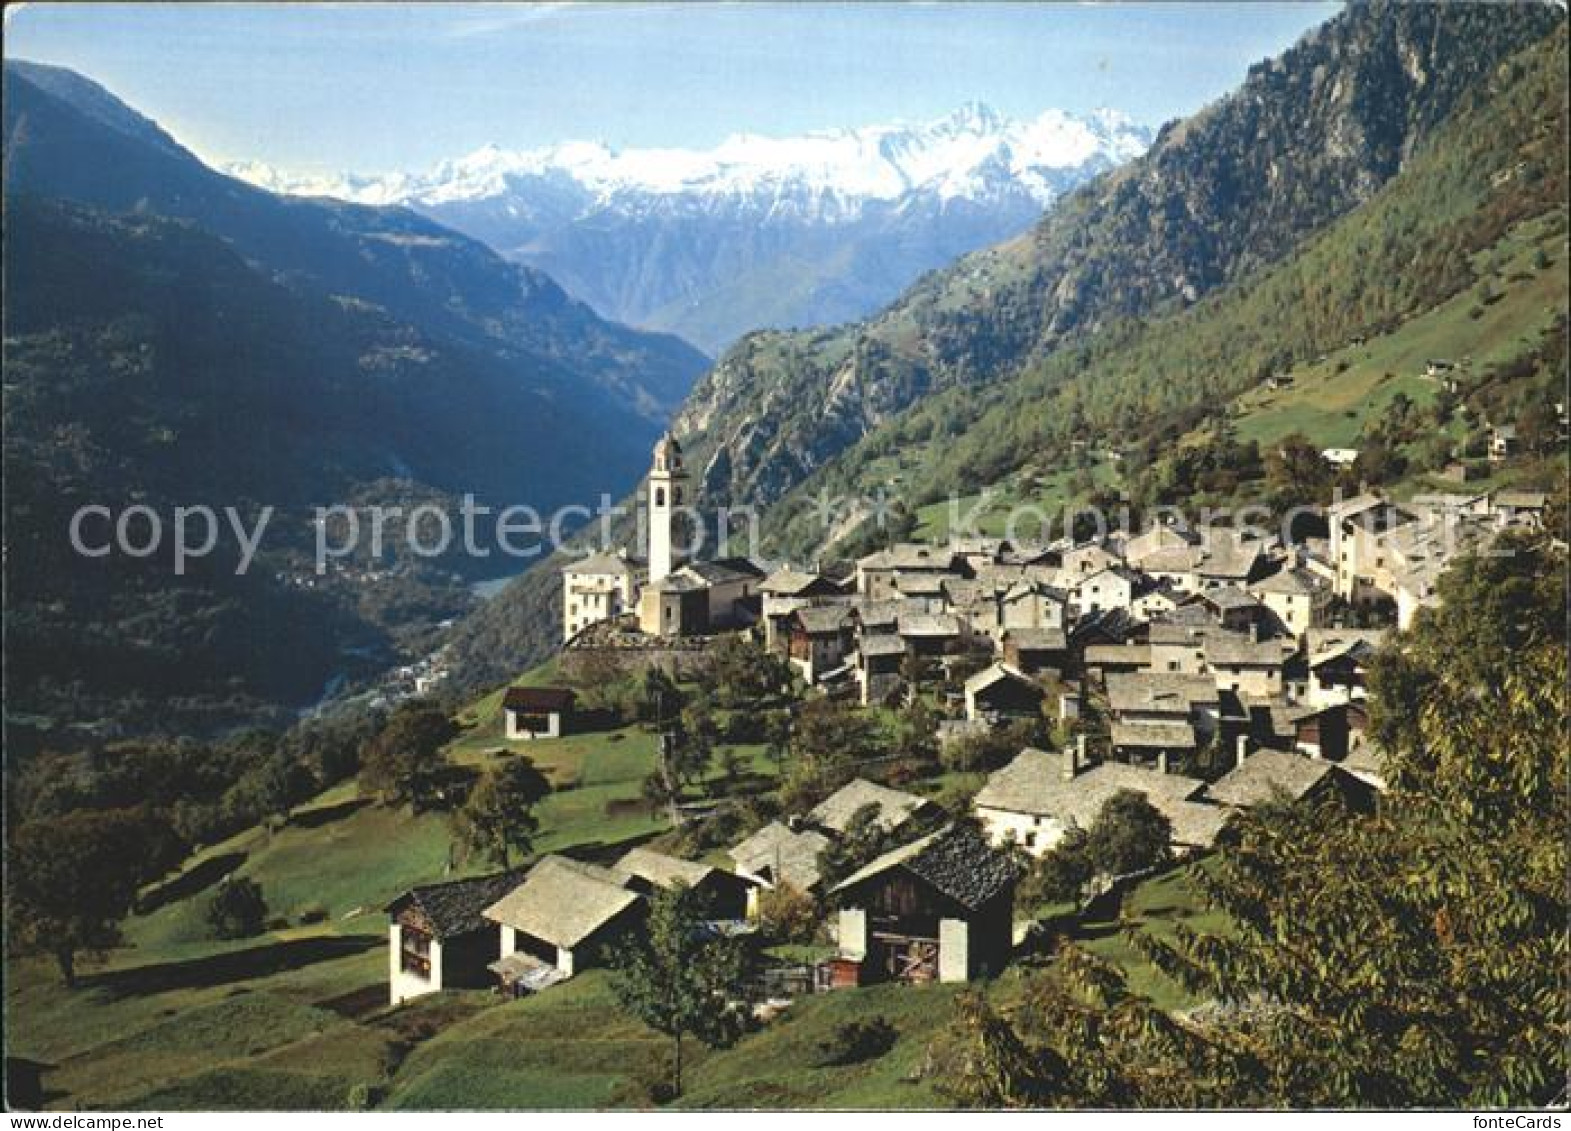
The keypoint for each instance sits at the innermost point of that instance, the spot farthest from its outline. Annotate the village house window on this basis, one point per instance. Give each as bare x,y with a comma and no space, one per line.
415,952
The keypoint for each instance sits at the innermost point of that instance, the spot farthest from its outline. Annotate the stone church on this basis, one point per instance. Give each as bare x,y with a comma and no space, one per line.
664,594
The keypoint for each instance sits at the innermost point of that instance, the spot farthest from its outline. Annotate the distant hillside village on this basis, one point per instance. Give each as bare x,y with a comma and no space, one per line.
1207,672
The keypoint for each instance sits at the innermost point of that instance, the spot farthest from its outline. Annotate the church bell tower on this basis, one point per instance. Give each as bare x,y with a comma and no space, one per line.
667,492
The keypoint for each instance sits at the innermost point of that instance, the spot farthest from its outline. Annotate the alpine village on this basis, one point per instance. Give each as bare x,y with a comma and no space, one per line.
909,805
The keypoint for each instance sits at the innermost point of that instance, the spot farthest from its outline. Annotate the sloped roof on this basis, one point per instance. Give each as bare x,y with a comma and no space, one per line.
1033,784
883,613
955,860
1224,557
662,870
456,907
1264,774
1029,586
1524,500
1186,632
909,555
682,581
601,563
718,573
788,582
1101,655
928,624
1235,650
1171,559
821,619
563,901
920,584
1291,581
999,672
1038,639
1188,615
538,699
788,856
1196,823
1153,736
1324,644
968,591
895,806
1230,597
882,644
1158,691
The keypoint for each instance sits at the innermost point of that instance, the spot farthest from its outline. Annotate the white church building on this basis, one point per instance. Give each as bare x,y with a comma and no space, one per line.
670,597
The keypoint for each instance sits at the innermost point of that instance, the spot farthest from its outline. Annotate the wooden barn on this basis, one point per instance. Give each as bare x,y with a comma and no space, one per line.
938,909
438,937
537,712
726,895
564,916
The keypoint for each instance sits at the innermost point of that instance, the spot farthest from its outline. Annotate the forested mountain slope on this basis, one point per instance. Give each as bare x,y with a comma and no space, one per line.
787,420
1428,236
175,337
1307,137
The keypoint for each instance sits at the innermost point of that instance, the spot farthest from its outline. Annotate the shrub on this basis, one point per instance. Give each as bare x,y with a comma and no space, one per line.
363,1096
311,913
787,914
855,1041
237,909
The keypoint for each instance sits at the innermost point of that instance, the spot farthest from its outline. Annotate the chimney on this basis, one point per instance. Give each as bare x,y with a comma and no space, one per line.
1241,750
1074,757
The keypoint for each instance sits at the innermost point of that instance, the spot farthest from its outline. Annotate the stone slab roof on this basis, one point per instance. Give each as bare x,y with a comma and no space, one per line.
784,854
1169,692
1033,784
563,901
1266,774
955,860
895,806
456,907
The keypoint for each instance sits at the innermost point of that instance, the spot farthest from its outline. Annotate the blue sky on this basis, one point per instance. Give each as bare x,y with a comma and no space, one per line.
317,88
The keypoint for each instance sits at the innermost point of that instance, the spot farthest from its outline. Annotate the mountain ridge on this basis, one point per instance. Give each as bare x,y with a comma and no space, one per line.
1306,137
757,231
175,337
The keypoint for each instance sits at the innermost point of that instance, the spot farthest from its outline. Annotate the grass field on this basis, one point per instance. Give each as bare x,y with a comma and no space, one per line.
1040,501
296,1018
1331,400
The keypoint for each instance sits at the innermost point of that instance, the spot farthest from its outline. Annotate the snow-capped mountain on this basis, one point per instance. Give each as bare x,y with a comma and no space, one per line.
757,231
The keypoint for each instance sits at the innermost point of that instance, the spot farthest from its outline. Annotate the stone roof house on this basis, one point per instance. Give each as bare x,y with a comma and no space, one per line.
1038,797
565,913
438,936
895,806
726,894
1001,691
777,854
937,909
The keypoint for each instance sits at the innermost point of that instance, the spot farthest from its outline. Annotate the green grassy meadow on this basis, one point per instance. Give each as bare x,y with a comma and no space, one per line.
297,1018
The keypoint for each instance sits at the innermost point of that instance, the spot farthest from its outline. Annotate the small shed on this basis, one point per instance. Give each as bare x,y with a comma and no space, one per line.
1002,691
537,712
725,894
938,909
438,937
565,913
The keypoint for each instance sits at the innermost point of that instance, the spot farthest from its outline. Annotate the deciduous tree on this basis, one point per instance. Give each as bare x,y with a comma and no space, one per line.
680,979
